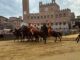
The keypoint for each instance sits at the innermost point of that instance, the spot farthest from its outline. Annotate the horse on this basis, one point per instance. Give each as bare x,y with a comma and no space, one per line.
23,33
26,32
44,33
17,34
1,36
54,34
38,34
78,38
78,25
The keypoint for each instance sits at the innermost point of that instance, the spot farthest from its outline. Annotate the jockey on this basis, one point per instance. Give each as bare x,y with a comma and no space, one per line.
49,30
44,29
33,29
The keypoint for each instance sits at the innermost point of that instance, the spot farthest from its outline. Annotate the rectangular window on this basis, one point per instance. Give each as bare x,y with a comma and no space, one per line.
52,16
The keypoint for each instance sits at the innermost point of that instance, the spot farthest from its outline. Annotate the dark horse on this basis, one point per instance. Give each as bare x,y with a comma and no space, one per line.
37,34
44,34
17,34
1,36
22,33
56,35
78,38
25,32
78,25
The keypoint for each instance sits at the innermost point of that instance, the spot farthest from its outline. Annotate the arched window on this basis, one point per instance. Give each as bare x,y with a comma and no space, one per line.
38,17
56,15
60,15
34,17
64,14
47,16
41,17
51,16
60,23
56,23
31,17
28,17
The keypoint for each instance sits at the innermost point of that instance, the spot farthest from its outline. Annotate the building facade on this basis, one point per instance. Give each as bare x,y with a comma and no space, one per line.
11,23
50,14
3,20
16,22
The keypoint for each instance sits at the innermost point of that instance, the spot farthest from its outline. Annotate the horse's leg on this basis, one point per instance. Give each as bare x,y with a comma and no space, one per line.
55,39
15,38
60,38
78,39
18,39
44,40
29,38
35,38
38,39
21,37
32,38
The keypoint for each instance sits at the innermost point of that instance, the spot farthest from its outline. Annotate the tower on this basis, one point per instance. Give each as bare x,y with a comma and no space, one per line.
53,1
25,10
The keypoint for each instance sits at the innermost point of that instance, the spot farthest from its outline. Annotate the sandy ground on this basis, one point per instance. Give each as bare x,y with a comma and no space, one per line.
65,50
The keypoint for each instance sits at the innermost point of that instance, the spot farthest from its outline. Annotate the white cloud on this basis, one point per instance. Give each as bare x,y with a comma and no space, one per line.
74,5
19,1
14,7
76,2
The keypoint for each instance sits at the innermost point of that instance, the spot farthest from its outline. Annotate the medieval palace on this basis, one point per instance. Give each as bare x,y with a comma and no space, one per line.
49,13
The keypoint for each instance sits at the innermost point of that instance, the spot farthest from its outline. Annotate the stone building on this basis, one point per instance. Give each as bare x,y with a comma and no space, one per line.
73,21
3,20
50,14
11,23
16,22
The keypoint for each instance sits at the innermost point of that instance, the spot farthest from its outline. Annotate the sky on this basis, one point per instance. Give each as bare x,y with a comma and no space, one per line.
13,8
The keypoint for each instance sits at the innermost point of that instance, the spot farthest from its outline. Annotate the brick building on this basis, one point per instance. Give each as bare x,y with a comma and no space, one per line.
50,14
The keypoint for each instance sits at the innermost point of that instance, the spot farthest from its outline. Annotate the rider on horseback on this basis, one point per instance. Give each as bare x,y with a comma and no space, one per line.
44,30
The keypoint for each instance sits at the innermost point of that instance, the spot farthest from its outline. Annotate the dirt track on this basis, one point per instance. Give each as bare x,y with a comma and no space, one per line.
66,50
